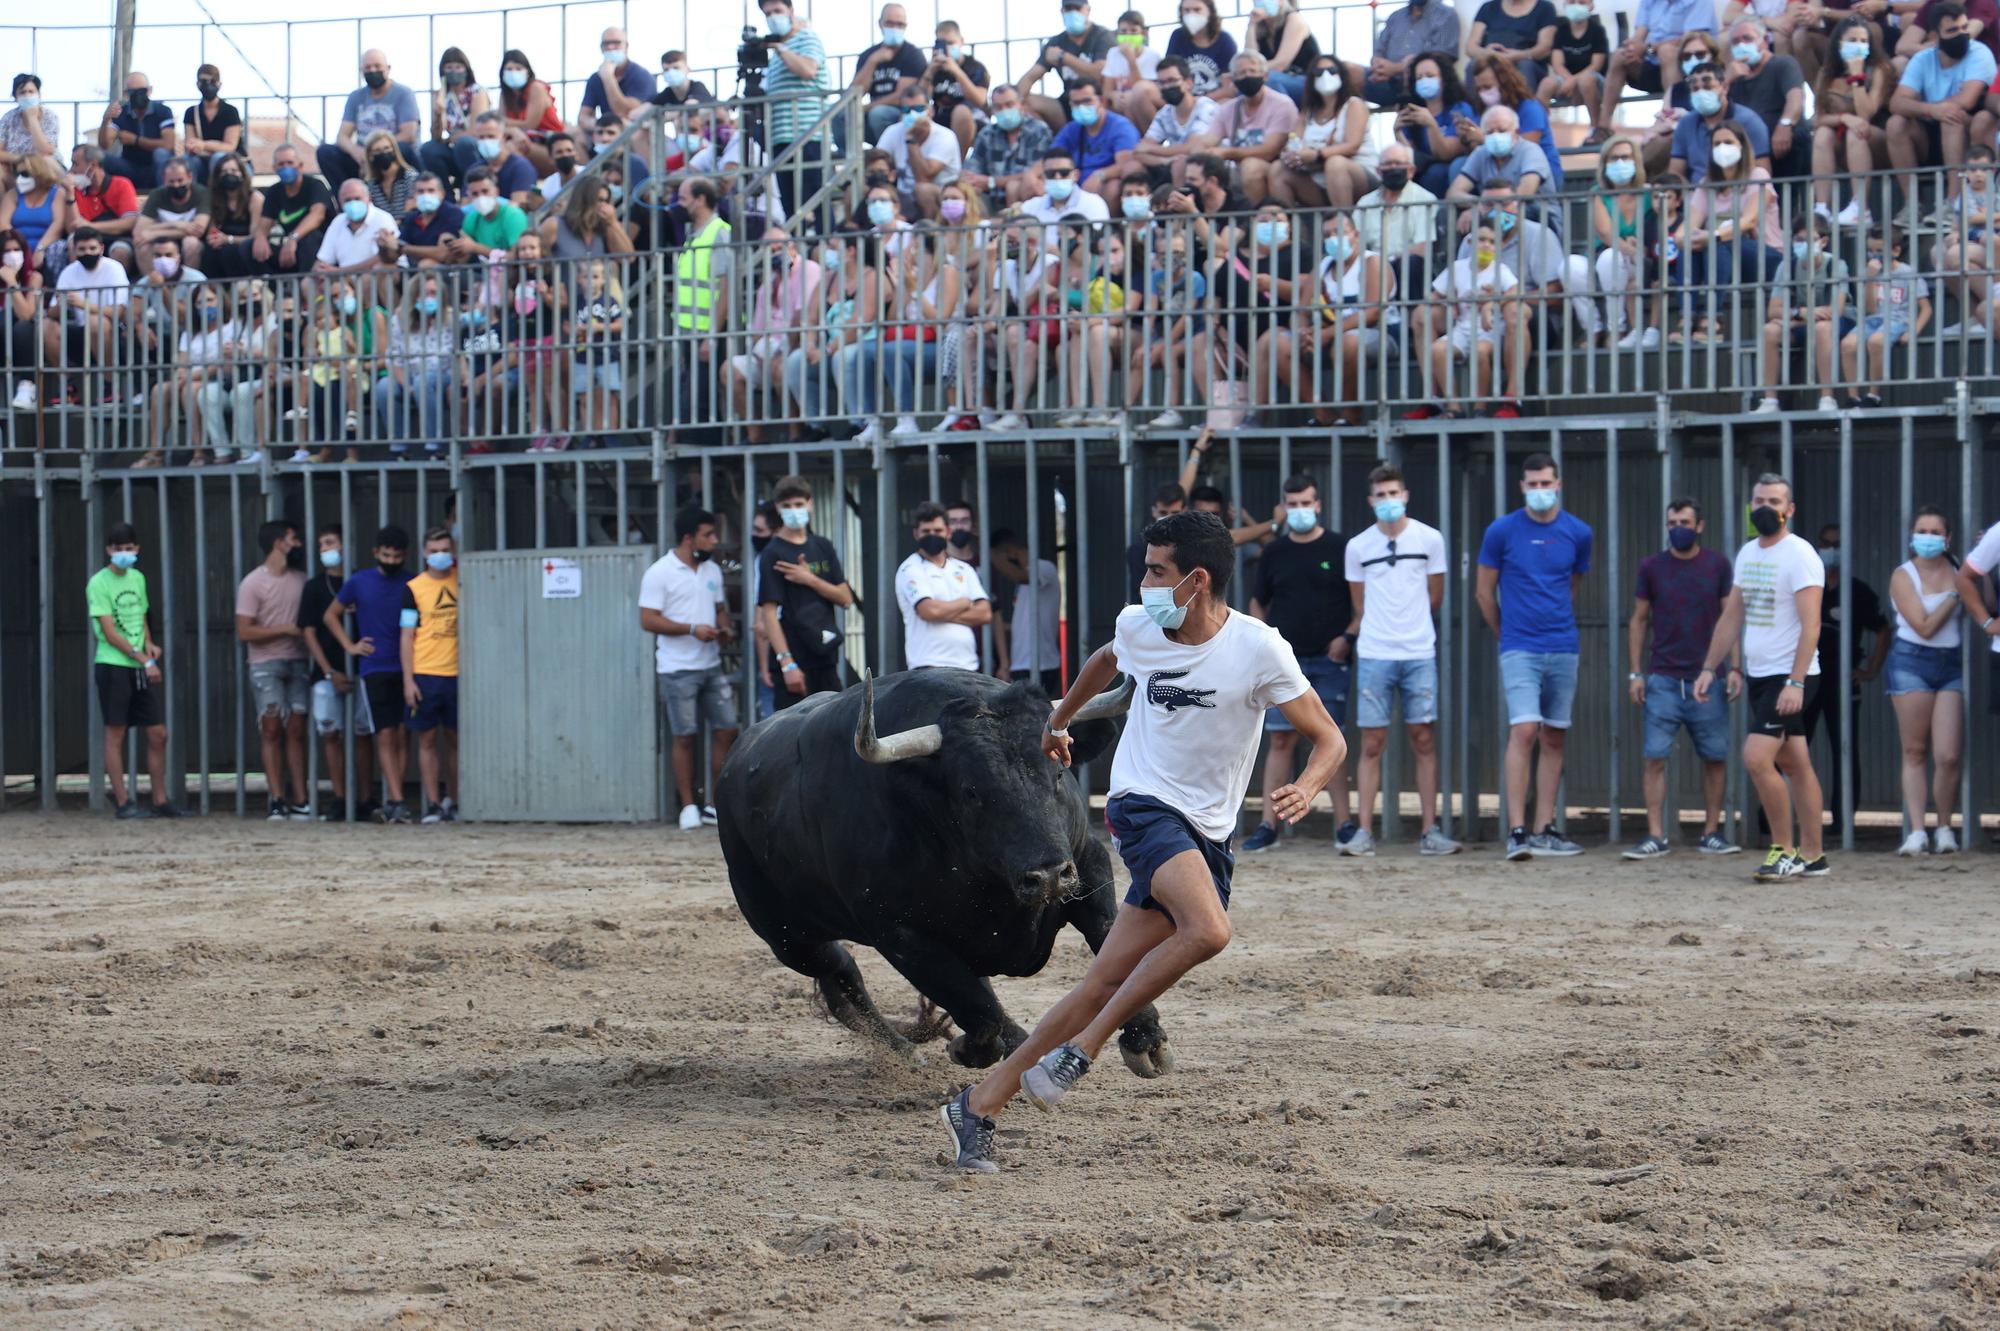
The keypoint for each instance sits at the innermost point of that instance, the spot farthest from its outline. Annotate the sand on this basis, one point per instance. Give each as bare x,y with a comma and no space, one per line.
493,1078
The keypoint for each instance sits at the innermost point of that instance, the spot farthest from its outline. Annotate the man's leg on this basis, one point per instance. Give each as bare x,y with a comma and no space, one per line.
1655,782
448,761
1368,776
719,742
156,762
271,744
1423,744
684,768
1549,774
1520,757
1760,761
390,751
1134,934
1201,929
114,763
427,765
334,757
1714,781
1794,761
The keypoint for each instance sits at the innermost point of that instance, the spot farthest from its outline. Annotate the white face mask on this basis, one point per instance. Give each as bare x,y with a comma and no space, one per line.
1326,83
1726,155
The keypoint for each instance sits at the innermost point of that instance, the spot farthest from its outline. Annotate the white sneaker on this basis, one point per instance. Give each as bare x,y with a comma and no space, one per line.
906,426
1167,420
1853,214
691,818
1069,420
1102,419
1651,341
951,419
1823,211
24,396
302,455
1951,330
708,818
1916,843
1013,420
250,459
1946,843
1631,341
1768,407
1826,402
871,433
296,413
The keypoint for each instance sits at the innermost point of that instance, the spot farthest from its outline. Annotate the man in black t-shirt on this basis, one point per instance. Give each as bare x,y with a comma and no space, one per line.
1577,67
1774,87
888,69
333,686
1301,591
205,126
1077,50
285,237
677,86
799,584
958,86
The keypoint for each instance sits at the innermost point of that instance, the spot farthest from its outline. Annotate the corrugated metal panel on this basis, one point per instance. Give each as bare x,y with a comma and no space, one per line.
556,698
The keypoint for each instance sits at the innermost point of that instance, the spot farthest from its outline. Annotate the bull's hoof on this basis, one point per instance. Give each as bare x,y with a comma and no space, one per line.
987,1048
1156,1062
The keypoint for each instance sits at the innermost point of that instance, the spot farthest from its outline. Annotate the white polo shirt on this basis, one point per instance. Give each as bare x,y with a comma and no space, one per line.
925,643
345,244
686,596
1983,558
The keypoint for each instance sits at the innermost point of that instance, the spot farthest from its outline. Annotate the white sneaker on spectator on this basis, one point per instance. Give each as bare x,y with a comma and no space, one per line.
1826,402
1651,341
1916,843
1069,420
302,455
1946,843
1768,407
250,459
871,433
1823,210
1167,420
1951,330
1853,214
691,818
1013,420
352,423
296,413
950,421
1632,340
1102,419
24,396
905,426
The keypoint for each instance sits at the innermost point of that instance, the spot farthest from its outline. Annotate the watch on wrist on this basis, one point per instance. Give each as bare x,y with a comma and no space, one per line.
1633,677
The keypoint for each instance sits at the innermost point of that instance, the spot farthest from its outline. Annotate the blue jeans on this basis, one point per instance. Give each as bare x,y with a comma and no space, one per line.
438,159
1540,686
1380,681
903,363
422,396
1745,259
1292,85
143,175
200,166
1670,704
1328,679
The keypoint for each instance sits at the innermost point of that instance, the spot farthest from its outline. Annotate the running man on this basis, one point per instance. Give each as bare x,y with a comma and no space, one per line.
1775,605
1204,676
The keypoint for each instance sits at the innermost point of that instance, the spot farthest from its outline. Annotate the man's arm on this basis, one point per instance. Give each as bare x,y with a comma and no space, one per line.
109,624
806,67
1723,642
332,620
1635,645
1972,594
310,633
1485,591
249,630
1808,600
411,694
1093,679
1356,592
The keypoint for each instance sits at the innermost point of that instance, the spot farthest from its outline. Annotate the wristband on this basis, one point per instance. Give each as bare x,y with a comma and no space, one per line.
1634,677
1061,732
1798,684
151,662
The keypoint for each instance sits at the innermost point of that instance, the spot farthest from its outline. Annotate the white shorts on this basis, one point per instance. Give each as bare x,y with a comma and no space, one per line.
1463,333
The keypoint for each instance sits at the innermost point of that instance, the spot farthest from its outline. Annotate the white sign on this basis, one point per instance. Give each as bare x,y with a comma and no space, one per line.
562,580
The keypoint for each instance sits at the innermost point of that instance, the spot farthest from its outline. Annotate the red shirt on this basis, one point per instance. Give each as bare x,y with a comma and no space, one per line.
1986,12
120,200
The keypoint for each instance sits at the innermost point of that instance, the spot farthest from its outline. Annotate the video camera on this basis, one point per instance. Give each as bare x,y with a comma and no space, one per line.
753,54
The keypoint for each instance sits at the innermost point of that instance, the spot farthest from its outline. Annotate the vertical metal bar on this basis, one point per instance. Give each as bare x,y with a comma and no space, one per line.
131,740
582,506
885,548
45,779
349,543
1507,815
1033,482
836,533
240,671
1459,585
1845,755
1732,539
1613,598
1561,805
1078,533
169,678
747,713
1447,764
201,596
1968,522
1236,597
624,520
982,482
310,536
931,457
1905,509
542,501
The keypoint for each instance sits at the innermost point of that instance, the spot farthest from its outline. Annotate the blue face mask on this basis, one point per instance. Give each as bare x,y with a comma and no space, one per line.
779,24
288,175
1136,207
1706,101
1009,120
489,148
125,559
1427,88
1160,607
1084,115
1747,52
1338,248
329,559
1852,51
1060,190
429,203
1830,557
892,37
881,212
1621,171
355,209
797,516
1502,222
1075,22
440,561
1541,501
516,79
1689,64
1928,545
1390,510
349,304
1500,143
617,192
1302,520
1802,250
428,305
1270,234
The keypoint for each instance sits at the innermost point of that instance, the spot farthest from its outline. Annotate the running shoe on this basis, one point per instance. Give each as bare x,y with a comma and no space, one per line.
1916,843
1359,842
433,815
279,812
1435,842
1551,842
130,809
165,811
708,818
1652,848
1714,843
398,812
1518,845
1778,863
1818,868
299,813
1265,837
1946,844
1053,1074
971,1134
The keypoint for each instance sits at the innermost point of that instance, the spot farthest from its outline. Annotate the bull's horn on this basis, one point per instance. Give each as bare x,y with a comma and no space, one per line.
1110,703
921,742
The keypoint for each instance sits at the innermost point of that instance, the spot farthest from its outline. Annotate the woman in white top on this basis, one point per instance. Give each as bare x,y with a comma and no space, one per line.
1925,676
204,346
1329,158
1348,317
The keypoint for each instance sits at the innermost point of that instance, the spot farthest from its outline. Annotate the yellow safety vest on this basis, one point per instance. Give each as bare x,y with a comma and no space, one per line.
694,288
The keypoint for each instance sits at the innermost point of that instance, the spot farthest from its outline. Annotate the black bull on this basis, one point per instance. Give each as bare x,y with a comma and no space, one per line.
921,819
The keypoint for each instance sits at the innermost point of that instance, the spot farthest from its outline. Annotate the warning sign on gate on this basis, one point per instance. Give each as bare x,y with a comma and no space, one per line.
562,580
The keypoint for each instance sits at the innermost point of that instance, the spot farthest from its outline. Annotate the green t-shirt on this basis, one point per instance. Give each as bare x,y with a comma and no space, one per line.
499,231
123,597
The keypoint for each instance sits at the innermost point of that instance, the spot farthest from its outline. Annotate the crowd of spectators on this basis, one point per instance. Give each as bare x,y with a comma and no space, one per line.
1250,222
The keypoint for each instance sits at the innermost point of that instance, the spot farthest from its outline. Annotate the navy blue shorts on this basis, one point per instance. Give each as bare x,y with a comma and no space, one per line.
437,703
1146,834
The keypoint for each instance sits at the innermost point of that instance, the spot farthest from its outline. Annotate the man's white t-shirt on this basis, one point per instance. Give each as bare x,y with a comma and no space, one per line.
1081,205
346,245
1984,559
106,288
1048,590
1396,593
686,596
925,643
1770,580
1197,717
940,146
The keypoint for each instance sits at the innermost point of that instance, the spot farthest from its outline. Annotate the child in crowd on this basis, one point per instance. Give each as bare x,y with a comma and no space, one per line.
1171,333
536,369
1895,308
1808,308
1970,244
1094,281
600,322
1474,294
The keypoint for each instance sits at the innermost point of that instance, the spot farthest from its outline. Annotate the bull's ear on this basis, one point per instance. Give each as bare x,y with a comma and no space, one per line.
1089,739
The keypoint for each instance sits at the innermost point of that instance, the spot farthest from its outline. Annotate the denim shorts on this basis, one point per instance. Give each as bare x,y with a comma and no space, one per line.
1328,679
691,695
1379,681
329,709
1670,704
1920,668
1146,834
282,687
1541,687
1877,322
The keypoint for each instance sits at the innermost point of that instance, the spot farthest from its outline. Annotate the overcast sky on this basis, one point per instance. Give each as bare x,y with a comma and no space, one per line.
317,59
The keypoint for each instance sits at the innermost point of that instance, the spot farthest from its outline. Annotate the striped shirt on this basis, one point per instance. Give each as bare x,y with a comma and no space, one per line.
790,114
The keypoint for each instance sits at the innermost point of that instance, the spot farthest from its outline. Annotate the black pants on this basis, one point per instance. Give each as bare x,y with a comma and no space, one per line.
819,679
801,181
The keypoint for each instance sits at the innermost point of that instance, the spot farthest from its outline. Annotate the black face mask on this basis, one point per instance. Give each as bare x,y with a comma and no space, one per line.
1766,521
1250,87
932,545
180,192
1173,96
961,539
89,261
375,78
139,99
228,182
1395,177
565,165
1956,47
876,178
391,569
381,161
208,88
758,543
295,557
703,556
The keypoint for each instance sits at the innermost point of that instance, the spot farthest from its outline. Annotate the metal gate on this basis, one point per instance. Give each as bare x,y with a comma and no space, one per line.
556,709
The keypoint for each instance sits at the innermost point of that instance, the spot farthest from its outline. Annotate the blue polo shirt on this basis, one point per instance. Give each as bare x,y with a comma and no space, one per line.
1692,137
377,602
1094,152
634,80
1536,561
426,229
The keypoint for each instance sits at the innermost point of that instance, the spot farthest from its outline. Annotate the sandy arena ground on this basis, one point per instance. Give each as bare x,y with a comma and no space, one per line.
488,1078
